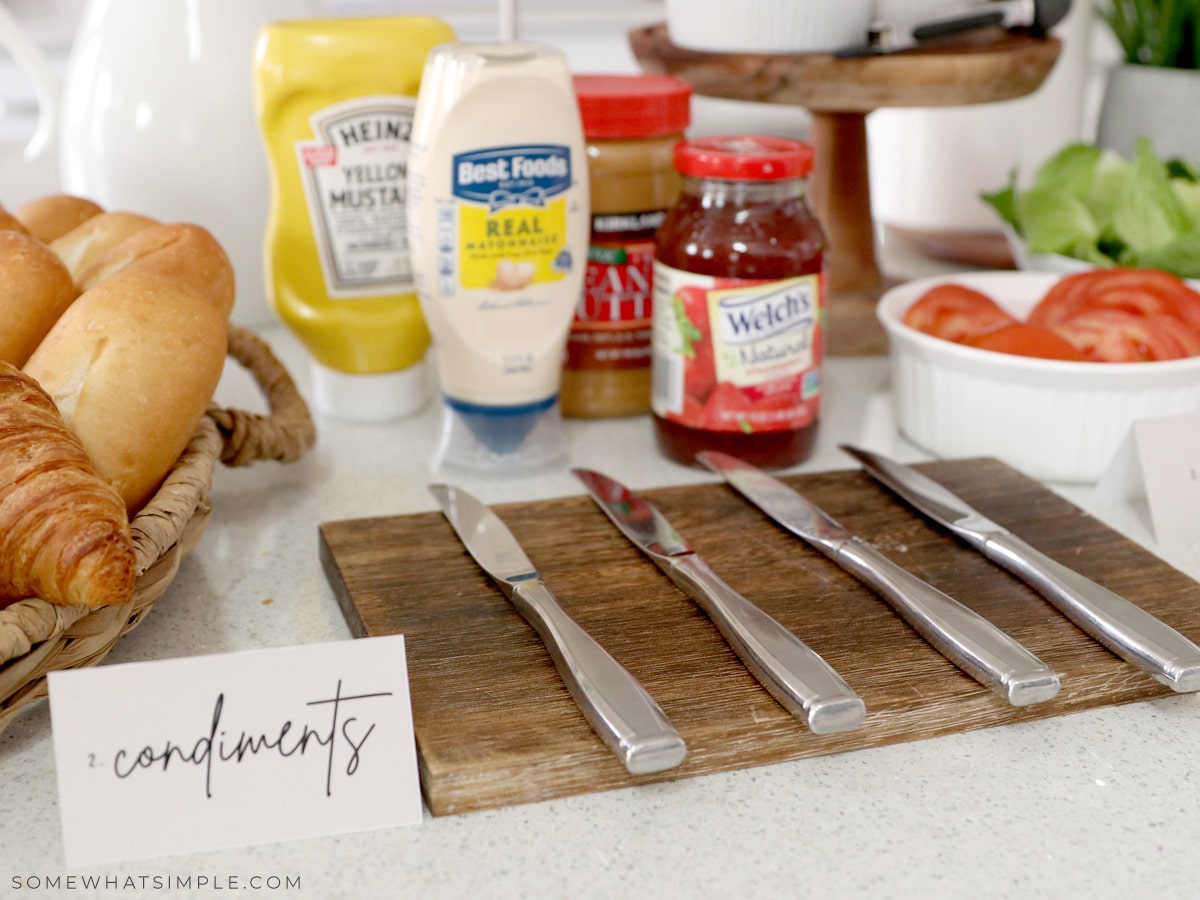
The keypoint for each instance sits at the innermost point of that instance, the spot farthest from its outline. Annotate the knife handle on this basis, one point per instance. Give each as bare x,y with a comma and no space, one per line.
1124,628
616,705
975,645
791,671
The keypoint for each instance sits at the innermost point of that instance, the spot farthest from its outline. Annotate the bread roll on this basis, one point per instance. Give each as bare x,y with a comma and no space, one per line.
9,222
52,216
86,243
35,289
132,365
181,251
64,532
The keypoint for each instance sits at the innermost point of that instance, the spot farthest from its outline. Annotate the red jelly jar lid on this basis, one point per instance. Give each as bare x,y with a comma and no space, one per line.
631,106
744,157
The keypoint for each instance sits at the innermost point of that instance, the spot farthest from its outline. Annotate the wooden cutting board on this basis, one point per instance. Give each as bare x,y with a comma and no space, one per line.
495,725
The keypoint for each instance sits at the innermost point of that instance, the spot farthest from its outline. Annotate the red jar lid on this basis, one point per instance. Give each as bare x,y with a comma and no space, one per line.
631,106
744,157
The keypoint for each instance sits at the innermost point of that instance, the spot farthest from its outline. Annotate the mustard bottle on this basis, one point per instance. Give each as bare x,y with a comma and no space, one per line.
335,101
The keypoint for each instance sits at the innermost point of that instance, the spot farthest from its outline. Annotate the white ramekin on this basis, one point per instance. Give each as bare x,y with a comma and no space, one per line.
1051,419
911,11
768,26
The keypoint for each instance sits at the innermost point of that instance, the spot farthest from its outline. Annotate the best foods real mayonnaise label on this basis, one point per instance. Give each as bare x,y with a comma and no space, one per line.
512,218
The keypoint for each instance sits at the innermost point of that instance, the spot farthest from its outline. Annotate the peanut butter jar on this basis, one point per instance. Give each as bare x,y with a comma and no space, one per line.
631,124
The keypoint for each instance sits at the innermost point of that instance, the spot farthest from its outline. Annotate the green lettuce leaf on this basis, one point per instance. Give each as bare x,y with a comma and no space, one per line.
1055,221
1098,255
1070,169
1188,193
1148,213
1181,256
1103,191
1092,204
1183,168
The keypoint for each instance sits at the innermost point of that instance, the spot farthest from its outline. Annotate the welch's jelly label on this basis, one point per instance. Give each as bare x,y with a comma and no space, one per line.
734,354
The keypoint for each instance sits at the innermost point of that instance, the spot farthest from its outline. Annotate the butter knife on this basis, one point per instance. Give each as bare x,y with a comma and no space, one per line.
975,645
615,704
893,35
792,672
1125,629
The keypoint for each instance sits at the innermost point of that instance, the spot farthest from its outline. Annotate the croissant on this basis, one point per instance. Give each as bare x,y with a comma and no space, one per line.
64,532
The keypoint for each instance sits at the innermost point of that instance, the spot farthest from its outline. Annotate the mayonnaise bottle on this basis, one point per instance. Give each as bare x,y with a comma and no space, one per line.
498,223
335,101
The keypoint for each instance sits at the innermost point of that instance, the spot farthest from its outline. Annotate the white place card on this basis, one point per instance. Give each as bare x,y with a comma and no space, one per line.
1160,462
209,752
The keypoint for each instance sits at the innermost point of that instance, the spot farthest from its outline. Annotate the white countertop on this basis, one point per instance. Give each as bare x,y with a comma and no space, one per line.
1098,804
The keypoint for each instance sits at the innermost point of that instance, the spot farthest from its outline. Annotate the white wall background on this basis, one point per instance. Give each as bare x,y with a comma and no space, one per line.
594,37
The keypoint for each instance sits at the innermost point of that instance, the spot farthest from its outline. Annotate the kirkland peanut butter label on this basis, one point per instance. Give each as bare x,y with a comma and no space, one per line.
612,321
512,217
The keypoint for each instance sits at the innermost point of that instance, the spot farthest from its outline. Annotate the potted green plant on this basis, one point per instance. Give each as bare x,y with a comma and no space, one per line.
1155,90
1155,32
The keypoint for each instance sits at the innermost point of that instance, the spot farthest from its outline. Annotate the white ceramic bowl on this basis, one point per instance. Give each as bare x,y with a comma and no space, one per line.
909,12
1051,419
768,26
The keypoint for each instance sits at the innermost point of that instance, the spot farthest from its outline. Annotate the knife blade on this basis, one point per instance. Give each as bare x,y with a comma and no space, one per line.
1122,627
792,672
614,702
885,36
893,35
985,652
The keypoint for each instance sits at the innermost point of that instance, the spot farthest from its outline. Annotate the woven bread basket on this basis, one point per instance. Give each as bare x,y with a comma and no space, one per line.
37,637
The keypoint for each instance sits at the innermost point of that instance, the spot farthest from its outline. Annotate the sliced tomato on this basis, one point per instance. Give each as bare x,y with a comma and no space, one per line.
1145,292
1114,335
1024,339
1187,336
956,312
1066,297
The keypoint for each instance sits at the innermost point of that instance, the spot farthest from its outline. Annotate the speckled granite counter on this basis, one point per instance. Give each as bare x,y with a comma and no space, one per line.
1099,804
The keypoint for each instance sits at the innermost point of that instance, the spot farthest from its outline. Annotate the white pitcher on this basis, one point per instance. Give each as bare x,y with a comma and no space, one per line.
158,117
28,166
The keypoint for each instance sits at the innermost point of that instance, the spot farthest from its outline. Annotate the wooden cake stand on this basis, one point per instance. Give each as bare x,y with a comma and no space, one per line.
983,66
